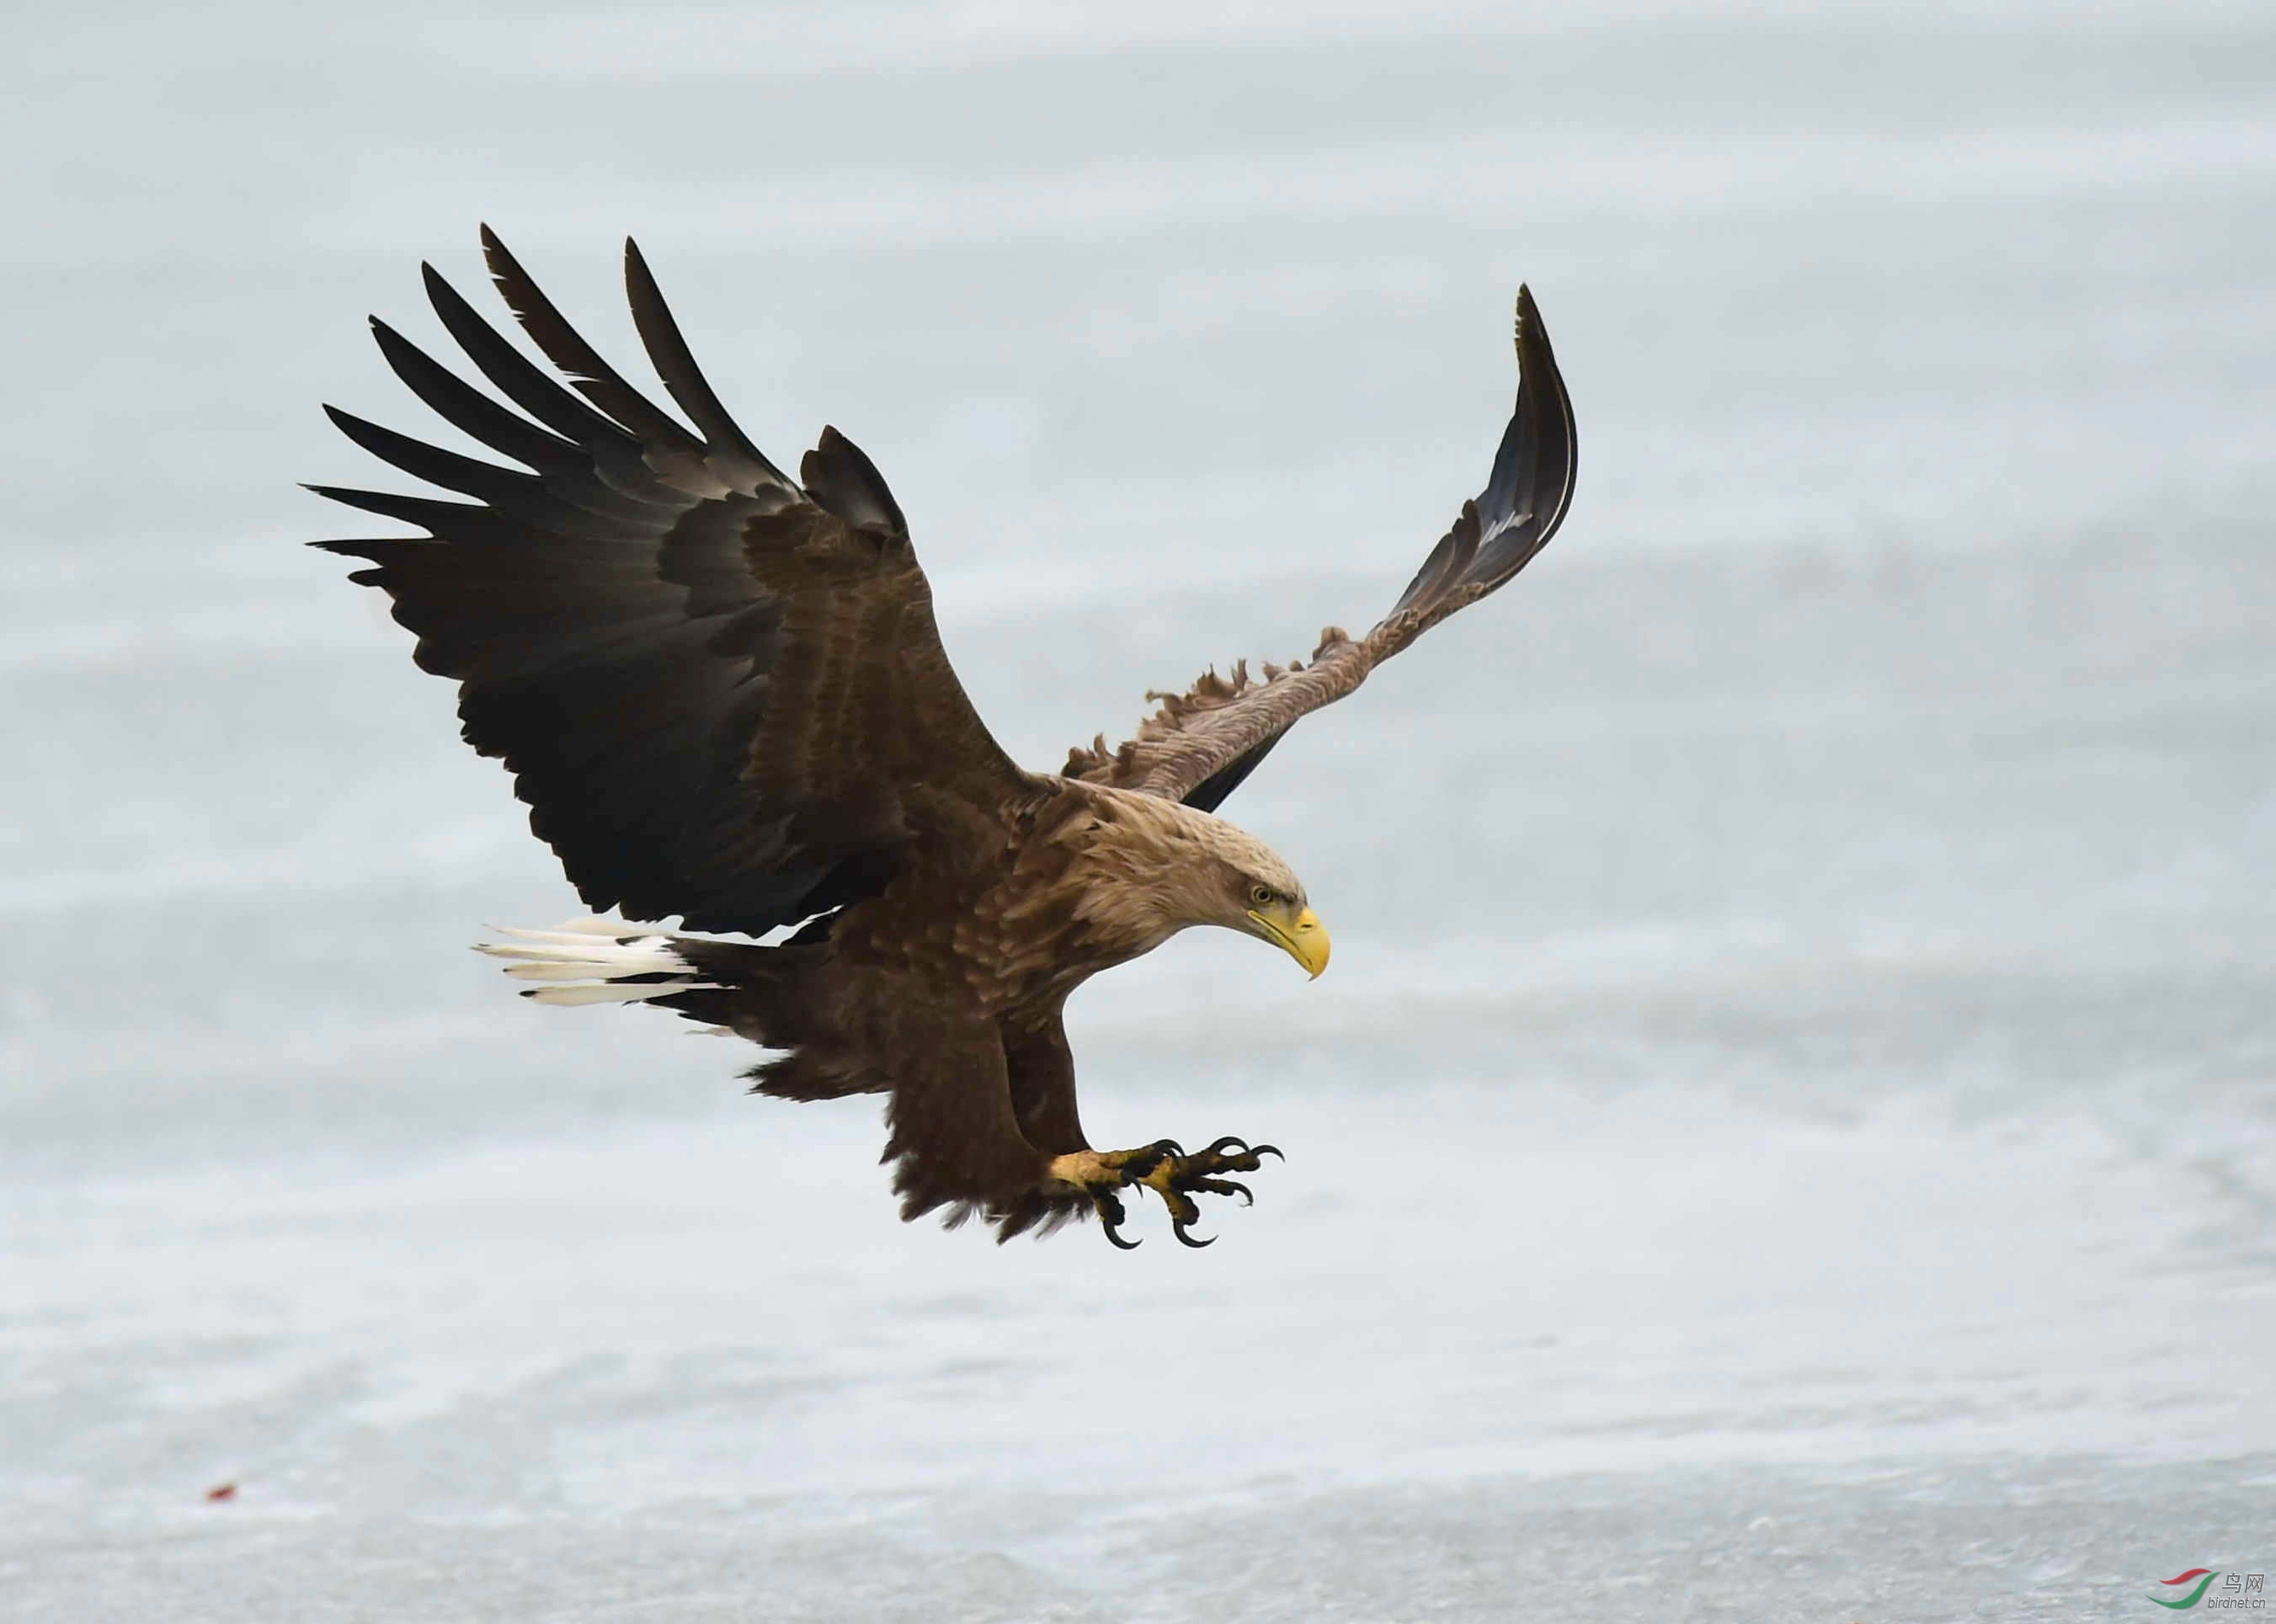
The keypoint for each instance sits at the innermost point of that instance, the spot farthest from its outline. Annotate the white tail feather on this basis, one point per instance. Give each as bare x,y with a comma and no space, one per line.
593,961
603,992
587,951
592,924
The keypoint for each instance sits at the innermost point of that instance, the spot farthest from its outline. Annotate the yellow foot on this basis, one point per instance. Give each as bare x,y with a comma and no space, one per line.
1164,1168
1176,1177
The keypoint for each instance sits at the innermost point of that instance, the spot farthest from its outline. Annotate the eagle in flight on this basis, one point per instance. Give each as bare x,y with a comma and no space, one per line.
723,695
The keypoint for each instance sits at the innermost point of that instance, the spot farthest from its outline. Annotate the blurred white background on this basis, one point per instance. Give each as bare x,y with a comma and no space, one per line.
1790,1131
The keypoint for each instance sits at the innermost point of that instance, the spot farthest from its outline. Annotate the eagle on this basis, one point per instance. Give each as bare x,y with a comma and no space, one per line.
723,695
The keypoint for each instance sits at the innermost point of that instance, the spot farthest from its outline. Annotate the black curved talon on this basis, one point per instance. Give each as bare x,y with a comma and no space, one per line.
1244,1155
1109,1221
1178,1228
1139,1163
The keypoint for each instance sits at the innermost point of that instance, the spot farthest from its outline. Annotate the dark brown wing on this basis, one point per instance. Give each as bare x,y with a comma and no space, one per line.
722,696
1201,744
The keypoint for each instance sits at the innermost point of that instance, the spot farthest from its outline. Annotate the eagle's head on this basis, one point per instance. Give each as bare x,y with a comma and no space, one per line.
1256,892
1166,868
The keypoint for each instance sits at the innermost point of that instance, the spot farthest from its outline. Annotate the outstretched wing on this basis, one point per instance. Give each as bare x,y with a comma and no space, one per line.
1201,744
722,696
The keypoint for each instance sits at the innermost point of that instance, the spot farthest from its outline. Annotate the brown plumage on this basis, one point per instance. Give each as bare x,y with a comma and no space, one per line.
722,694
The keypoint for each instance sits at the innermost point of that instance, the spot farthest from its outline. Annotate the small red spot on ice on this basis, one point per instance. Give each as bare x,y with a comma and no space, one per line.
226,1491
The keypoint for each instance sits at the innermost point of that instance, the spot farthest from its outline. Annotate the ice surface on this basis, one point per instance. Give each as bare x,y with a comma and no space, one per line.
1789,1132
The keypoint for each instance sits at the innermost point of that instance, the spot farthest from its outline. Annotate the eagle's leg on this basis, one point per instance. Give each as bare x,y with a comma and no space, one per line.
1164,1168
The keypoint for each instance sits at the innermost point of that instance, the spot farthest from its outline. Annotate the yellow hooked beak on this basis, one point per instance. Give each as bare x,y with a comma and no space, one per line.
1304,937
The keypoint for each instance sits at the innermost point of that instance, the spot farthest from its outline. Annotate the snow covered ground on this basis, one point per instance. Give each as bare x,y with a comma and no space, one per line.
1790,1132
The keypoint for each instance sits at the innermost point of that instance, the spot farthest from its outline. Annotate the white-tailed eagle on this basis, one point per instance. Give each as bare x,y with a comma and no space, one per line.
721,691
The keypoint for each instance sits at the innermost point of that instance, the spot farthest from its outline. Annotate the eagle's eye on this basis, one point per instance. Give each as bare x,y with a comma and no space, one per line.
1260,895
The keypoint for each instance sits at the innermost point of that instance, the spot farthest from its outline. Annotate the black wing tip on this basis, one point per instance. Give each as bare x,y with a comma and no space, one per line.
373,553
347,496
1533,353
448,303
640,281
841,478
363,431
1530,489
394,345
503,267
